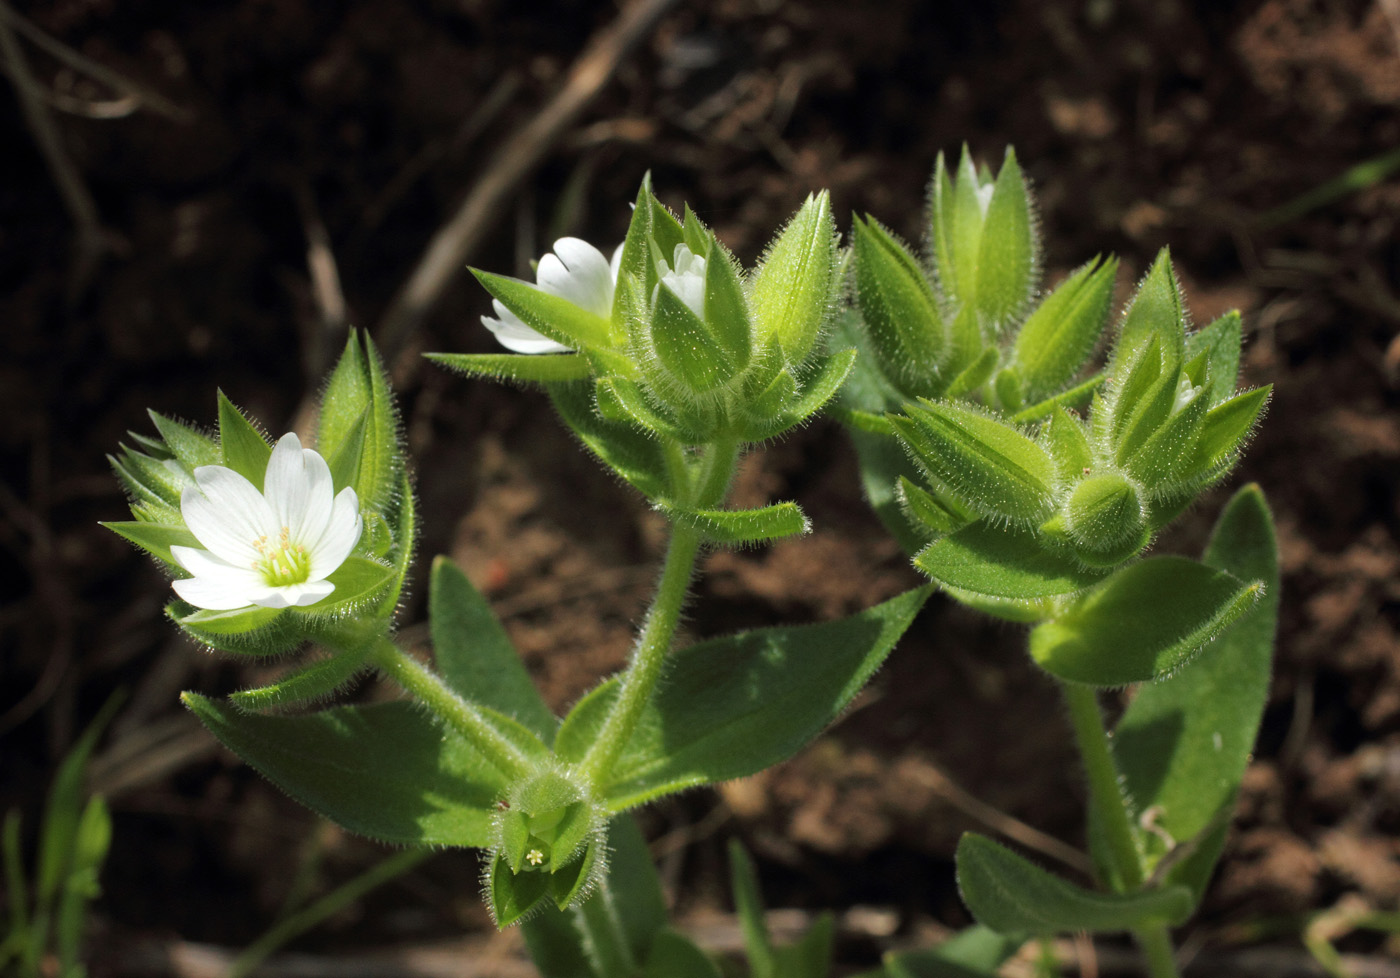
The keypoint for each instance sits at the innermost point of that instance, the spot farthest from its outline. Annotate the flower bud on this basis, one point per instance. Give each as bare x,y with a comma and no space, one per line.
1105,520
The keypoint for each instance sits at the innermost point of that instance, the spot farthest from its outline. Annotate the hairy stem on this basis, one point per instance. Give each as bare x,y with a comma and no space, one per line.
1114,817
462,716
711,483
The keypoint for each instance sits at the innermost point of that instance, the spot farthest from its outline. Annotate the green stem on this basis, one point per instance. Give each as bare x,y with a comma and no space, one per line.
649,655
462,716
1156,944
1105,790
1115,819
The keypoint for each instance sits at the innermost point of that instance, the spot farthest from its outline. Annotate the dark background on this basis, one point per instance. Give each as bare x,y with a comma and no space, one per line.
306,136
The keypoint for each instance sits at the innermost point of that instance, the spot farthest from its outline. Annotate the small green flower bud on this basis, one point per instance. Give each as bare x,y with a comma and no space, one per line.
1105,520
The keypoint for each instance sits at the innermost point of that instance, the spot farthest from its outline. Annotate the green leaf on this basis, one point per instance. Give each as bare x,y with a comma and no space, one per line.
1183,743
686,348
740,526
900,311
357,582
1076,397
733,706
549,315
475,655
991,466
62,810
1166,456
818,389
748,906
792,289
1068,444
245,450
1010,894
148,503
673,955
517,368
1105,639
1003,563
883,464
386,771
939,515
155,538
1220,342
974,952
627,450
1058,337
191,446
1008,258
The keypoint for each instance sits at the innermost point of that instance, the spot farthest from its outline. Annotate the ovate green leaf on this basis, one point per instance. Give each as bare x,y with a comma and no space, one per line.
1003,563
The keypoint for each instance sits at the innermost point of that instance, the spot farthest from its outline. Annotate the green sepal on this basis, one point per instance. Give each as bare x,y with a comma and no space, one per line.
306,684
732,706
358,582
1104,639
1010,894
1075,397
899,308
956,218
1000,562
404,515
726,308
992,467
148,504
188,444
153,447
1225,428
740,526
1057,338
792,288
517,368
636,269
977,373
1167,455
1008,254
253,630
549,315
158,482
1068,444
387,771
357,406
243,446
475,655
625,449
575,881
513,897
621,401
1183,744
818,389
1220,342
697,237
1140,381
1154,311
694,357
155,538
343,459
938,515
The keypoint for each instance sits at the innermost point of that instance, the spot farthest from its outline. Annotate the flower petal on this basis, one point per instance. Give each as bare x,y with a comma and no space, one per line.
577,271
287,486
294,595
342,532
210,595
517,337
226,513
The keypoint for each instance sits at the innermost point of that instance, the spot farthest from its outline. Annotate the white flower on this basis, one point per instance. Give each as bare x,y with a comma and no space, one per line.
576,271
273,548
687,279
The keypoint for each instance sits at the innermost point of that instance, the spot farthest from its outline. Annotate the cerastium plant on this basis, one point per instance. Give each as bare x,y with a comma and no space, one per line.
669,360
965,418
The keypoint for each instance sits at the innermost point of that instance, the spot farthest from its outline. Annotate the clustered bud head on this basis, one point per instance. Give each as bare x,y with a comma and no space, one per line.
550,846
977,380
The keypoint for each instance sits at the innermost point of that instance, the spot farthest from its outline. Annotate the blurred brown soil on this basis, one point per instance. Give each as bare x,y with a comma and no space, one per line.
1141,124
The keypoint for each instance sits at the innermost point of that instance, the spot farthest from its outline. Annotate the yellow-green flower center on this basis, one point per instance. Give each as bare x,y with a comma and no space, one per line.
282,561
